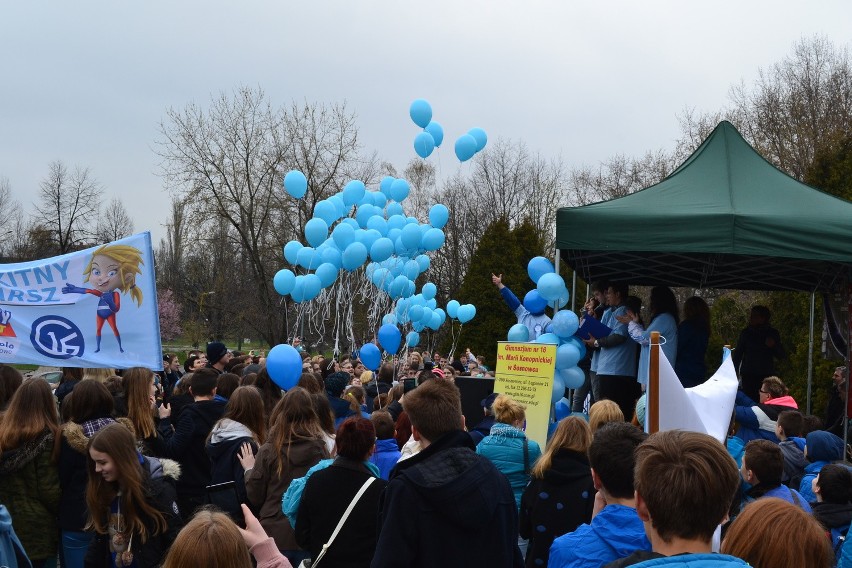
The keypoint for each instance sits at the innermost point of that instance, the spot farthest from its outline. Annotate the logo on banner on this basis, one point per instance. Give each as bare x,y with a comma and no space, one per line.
57,337
8,339
6,324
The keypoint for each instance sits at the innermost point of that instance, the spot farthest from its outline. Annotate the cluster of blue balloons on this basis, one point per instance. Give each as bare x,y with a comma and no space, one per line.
549,285
433,133
467,145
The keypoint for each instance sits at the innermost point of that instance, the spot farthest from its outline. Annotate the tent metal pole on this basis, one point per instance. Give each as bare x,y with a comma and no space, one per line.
811,353
652,400
556,258
574,292
848,361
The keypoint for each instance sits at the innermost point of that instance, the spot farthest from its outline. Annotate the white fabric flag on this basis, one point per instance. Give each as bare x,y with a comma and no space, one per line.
706,408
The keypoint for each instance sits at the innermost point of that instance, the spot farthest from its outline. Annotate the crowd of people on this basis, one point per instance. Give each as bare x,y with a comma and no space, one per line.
209,462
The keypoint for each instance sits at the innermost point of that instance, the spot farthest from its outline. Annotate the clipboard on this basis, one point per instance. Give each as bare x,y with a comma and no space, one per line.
589,325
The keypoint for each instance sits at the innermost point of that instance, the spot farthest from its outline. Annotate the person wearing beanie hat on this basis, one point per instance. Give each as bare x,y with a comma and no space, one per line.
821,448
217,356
484,427
335,384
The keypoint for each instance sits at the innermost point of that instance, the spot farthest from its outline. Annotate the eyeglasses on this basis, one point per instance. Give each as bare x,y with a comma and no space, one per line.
765,392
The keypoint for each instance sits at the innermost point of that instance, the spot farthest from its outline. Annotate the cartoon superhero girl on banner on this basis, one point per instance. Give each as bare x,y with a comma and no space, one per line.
112,269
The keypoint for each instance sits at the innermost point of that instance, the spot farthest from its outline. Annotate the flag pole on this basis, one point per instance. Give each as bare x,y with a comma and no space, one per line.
653,392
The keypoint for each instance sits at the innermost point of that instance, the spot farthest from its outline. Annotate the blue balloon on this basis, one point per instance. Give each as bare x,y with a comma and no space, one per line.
368,237
284,281
426,316
327,274
567,355
316,231
400,190
550,286
394,209
417,326
332,256
548,338
412,339
558,391
389,338
465,147
453,308
433,239
353,192
370,356
284,365
382,249
518,332
411,236
442,314
411,269
466,312
439,215
296,184
378,223
312,286
424,144
389,319
350,221
562,409
480,136
308,258
298,292
379,198
364,213
562,300
354,256
415,313
420,112
573,377
578,343
565,324
437,132
339,206
291,250
398,286
435,321
379,276
534,303
538,267
429,290
423,262
326,211
385,185
343,235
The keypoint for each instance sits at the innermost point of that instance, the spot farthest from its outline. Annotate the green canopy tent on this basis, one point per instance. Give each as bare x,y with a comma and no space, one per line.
726,218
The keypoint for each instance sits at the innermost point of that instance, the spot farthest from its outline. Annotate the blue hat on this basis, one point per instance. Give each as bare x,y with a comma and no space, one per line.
488,401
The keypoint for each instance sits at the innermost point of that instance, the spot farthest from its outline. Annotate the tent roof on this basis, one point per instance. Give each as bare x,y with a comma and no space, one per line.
726,218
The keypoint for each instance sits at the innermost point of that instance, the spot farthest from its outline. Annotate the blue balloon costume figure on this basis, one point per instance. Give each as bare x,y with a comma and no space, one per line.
530,313
112,271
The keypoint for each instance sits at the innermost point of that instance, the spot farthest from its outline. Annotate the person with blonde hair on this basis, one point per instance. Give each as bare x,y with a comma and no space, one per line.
29,480
561,476
211,539
97,374
603,412
509,449
772,532
112,271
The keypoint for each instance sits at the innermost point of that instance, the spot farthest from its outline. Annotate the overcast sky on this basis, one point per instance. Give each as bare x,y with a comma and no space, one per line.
88,82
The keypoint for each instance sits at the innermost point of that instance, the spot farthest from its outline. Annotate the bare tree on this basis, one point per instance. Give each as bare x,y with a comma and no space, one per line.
68,204
618,176
114,222
13,234
226,163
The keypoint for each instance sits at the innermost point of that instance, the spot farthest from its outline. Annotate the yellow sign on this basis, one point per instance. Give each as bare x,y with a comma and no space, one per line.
525,372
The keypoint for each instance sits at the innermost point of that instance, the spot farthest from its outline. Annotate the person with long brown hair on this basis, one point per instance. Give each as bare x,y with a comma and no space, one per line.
139,400
771,532
296,443
89,408
131,501
29,481
241,429
560,476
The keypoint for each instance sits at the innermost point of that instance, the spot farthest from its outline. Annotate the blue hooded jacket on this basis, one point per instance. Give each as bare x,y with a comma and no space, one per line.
614,533
822,448
386,456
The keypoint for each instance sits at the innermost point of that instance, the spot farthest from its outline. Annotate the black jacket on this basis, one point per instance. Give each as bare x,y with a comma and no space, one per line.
372,390
185,443
325,498
833,515
448,507
556,504
160,493
482,429
225,443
